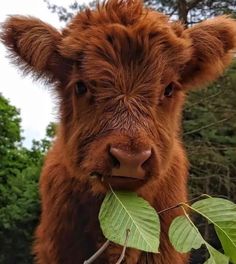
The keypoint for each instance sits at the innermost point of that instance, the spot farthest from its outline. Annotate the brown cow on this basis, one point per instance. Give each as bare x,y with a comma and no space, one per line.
121,73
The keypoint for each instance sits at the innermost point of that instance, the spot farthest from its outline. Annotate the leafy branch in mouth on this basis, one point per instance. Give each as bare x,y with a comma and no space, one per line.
128,220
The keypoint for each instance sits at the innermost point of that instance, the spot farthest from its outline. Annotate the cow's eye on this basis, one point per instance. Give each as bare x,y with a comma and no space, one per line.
80,88
169,90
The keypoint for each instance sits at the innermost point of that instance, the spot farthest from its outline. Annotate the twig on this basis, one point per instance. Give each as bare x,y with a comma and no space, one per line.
209,125
203,100
181,204
193,3
175,8
200,178
124,248
98,253
169,208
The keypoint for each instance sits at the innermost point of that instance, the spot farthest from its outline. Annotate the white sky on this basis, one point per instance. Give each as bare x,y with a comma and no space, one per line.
32,98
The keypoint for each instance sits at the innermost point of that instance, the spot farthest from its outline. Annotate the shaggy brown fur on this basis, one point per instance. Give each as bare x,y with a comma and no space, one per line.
126,56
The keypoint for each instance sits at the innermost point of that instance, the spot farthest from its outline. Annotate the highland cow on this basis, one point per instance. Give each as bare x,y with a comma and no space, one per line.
121,73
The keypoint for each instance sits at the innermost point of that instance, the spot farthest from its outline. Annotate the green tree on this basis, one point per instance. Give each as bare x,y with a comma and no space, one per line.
9,125
19,175
66,13
10,136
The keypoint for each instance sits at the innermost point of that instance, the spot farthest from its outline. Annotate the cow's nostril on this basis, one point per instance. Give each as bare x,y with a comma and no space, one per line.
115,161
128,164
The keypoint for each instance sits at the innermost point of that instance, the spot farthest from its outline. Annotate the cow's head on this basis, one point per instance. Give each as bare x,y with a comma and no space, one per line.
121,73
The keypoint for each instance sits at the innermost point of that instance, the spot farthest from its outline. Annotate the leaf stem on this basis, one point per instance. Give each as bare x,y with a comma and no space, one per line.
189,219
124,248
98,253
209,219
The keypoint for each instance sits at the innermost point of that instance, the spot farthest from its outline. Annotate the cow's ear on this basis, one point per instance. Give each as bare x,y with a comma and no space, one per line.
213,42
33,46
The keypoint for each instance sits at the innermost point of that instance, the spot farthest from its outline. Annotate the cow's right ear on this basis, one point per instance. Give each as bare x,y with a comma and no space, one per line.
32,45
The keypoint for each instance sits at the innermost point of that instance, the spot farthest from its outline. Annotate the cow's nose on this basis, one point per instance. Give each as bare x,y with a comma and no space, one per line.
128,164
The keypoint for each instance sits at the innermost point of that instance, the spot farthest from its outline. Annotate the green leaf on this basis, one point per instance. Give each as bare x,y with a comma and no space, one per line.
228,246
221,213
185,236
215,256
122,211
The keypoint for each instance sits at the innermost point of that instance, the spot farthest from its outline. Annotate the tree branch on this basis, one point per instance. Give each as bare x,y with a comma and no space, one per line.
205,99
193,3
124,248
183,11
175,8
180,204
98,253
201,128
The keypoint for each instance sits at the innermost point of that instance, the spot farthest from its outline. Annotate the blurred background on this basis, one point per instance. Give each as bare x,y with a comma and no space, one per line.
28,117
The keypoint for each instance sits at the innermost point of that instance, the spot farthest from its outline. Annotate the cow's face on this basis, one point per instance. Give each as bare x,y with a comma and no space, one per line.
125,99
121,73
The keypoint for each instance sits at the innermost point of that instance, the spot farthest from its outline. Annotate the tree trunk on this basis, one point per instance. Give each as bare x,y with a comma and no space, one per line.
183,11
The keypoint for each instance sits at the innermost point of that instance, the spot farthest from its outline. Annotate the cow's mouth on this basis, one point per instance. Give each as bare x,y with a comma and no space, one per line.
119,182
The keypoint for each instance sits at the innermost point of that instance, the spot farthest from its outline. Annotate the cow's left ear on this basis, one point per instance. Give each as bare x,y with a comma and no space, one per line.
33,46
213,42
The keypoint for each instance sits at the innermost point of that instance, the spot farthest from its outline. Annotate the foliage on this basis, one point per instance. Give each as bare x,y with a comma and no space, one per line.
19,174
122,211
9,126
65,14
192,238
222,214
184,235
209,125
210,137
